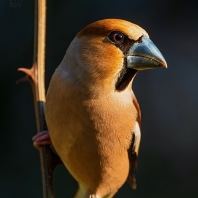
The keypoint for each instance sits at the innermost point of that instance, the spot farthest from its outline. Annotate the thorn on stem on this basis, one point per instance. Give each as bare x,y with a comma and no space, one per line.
31,73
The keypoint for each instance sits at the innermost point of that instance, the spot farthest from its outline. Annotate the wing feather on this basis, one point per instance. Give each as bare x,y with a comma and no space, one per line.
135,144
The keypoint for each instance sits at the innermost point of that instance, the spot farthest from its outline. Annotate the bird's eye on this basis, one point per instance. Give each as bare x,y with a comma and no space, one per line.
116,37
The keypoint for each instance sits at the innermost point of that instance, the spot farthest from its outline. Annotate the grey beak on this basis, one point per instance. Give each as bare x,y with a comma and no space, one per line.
145,55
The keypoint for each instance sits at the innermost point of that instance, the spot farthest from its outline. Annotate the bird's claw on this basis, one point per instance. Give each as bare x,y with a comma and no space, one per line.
41,139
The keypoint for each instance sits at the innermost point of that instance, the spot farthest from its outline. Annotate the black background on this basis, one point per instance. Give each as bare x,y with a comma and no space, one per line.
168,162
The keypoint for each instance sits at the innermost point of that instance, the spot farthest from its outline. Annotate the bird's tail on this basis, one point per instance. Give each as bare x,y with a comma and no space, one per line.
83,192
86,193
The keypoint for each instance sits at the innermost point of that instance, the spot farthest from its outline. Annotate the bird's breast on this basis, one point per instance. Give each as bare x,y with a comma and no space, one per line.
91,136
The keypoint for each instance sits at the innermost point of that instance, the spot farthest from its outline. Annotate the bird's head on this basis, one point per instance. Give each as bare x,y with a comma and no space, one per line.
111,51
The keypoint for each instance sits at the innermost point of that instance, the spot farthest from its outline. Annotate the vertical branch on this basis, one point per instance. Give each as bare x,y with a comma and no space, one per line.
41,49
36,76
35,30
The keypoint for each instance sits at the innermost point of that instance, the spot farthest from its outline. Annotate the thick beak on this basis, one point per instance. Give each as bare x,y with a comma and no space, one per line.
145,55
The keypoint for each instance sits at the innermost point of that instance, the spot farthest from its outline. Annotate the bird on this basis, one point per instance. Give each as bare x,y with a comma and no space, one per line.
92,114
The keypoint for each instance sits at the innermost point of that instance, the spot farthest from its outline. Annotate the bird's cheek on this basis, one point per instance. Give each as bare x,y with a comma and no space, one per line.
103,60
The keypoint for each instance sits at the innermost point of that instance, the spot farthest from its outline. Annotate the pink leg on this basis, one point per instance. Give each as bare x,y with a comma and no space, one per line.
42,138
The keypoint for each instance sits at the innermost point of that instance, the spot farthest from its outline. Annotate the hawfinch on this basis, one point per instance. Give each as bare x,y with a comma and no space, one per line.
92,114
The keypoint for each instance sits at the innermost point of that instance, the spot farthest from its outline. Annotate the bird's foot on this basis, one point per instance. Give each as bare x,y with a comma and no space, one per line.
41,139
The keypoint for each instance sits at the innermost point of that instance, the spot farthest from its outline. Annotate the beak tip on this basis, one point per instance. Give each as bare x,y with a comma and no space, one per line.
164,64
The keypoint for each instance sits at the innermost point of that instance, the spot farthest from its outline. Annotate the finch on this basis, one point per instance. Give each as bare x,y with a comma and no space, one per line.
92,114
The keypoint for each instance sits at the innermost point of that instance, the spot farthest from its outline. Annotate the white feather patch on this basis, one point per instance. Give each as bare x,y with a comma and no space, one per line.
137,134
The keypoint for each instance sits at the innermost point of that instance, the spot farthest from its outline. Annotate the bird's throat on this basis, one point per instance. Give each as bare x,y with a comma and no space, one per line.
125,76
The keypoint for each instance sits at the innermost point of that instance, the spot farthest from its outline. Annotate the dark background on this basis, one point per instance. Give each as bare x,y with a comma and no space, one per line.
168,162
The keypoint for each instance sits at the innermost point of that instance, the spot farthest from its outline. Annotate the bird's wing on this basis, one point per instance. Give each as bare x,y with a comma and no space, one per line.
135,144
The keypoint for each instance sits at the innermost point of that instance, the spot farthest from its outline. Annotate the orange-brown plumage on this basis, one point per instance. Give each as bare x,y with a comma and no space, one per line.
94,126
104,27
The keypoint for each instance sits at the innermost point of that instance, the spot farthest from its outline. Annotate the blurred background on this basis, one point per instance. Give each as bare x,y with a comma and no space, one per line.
168,162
